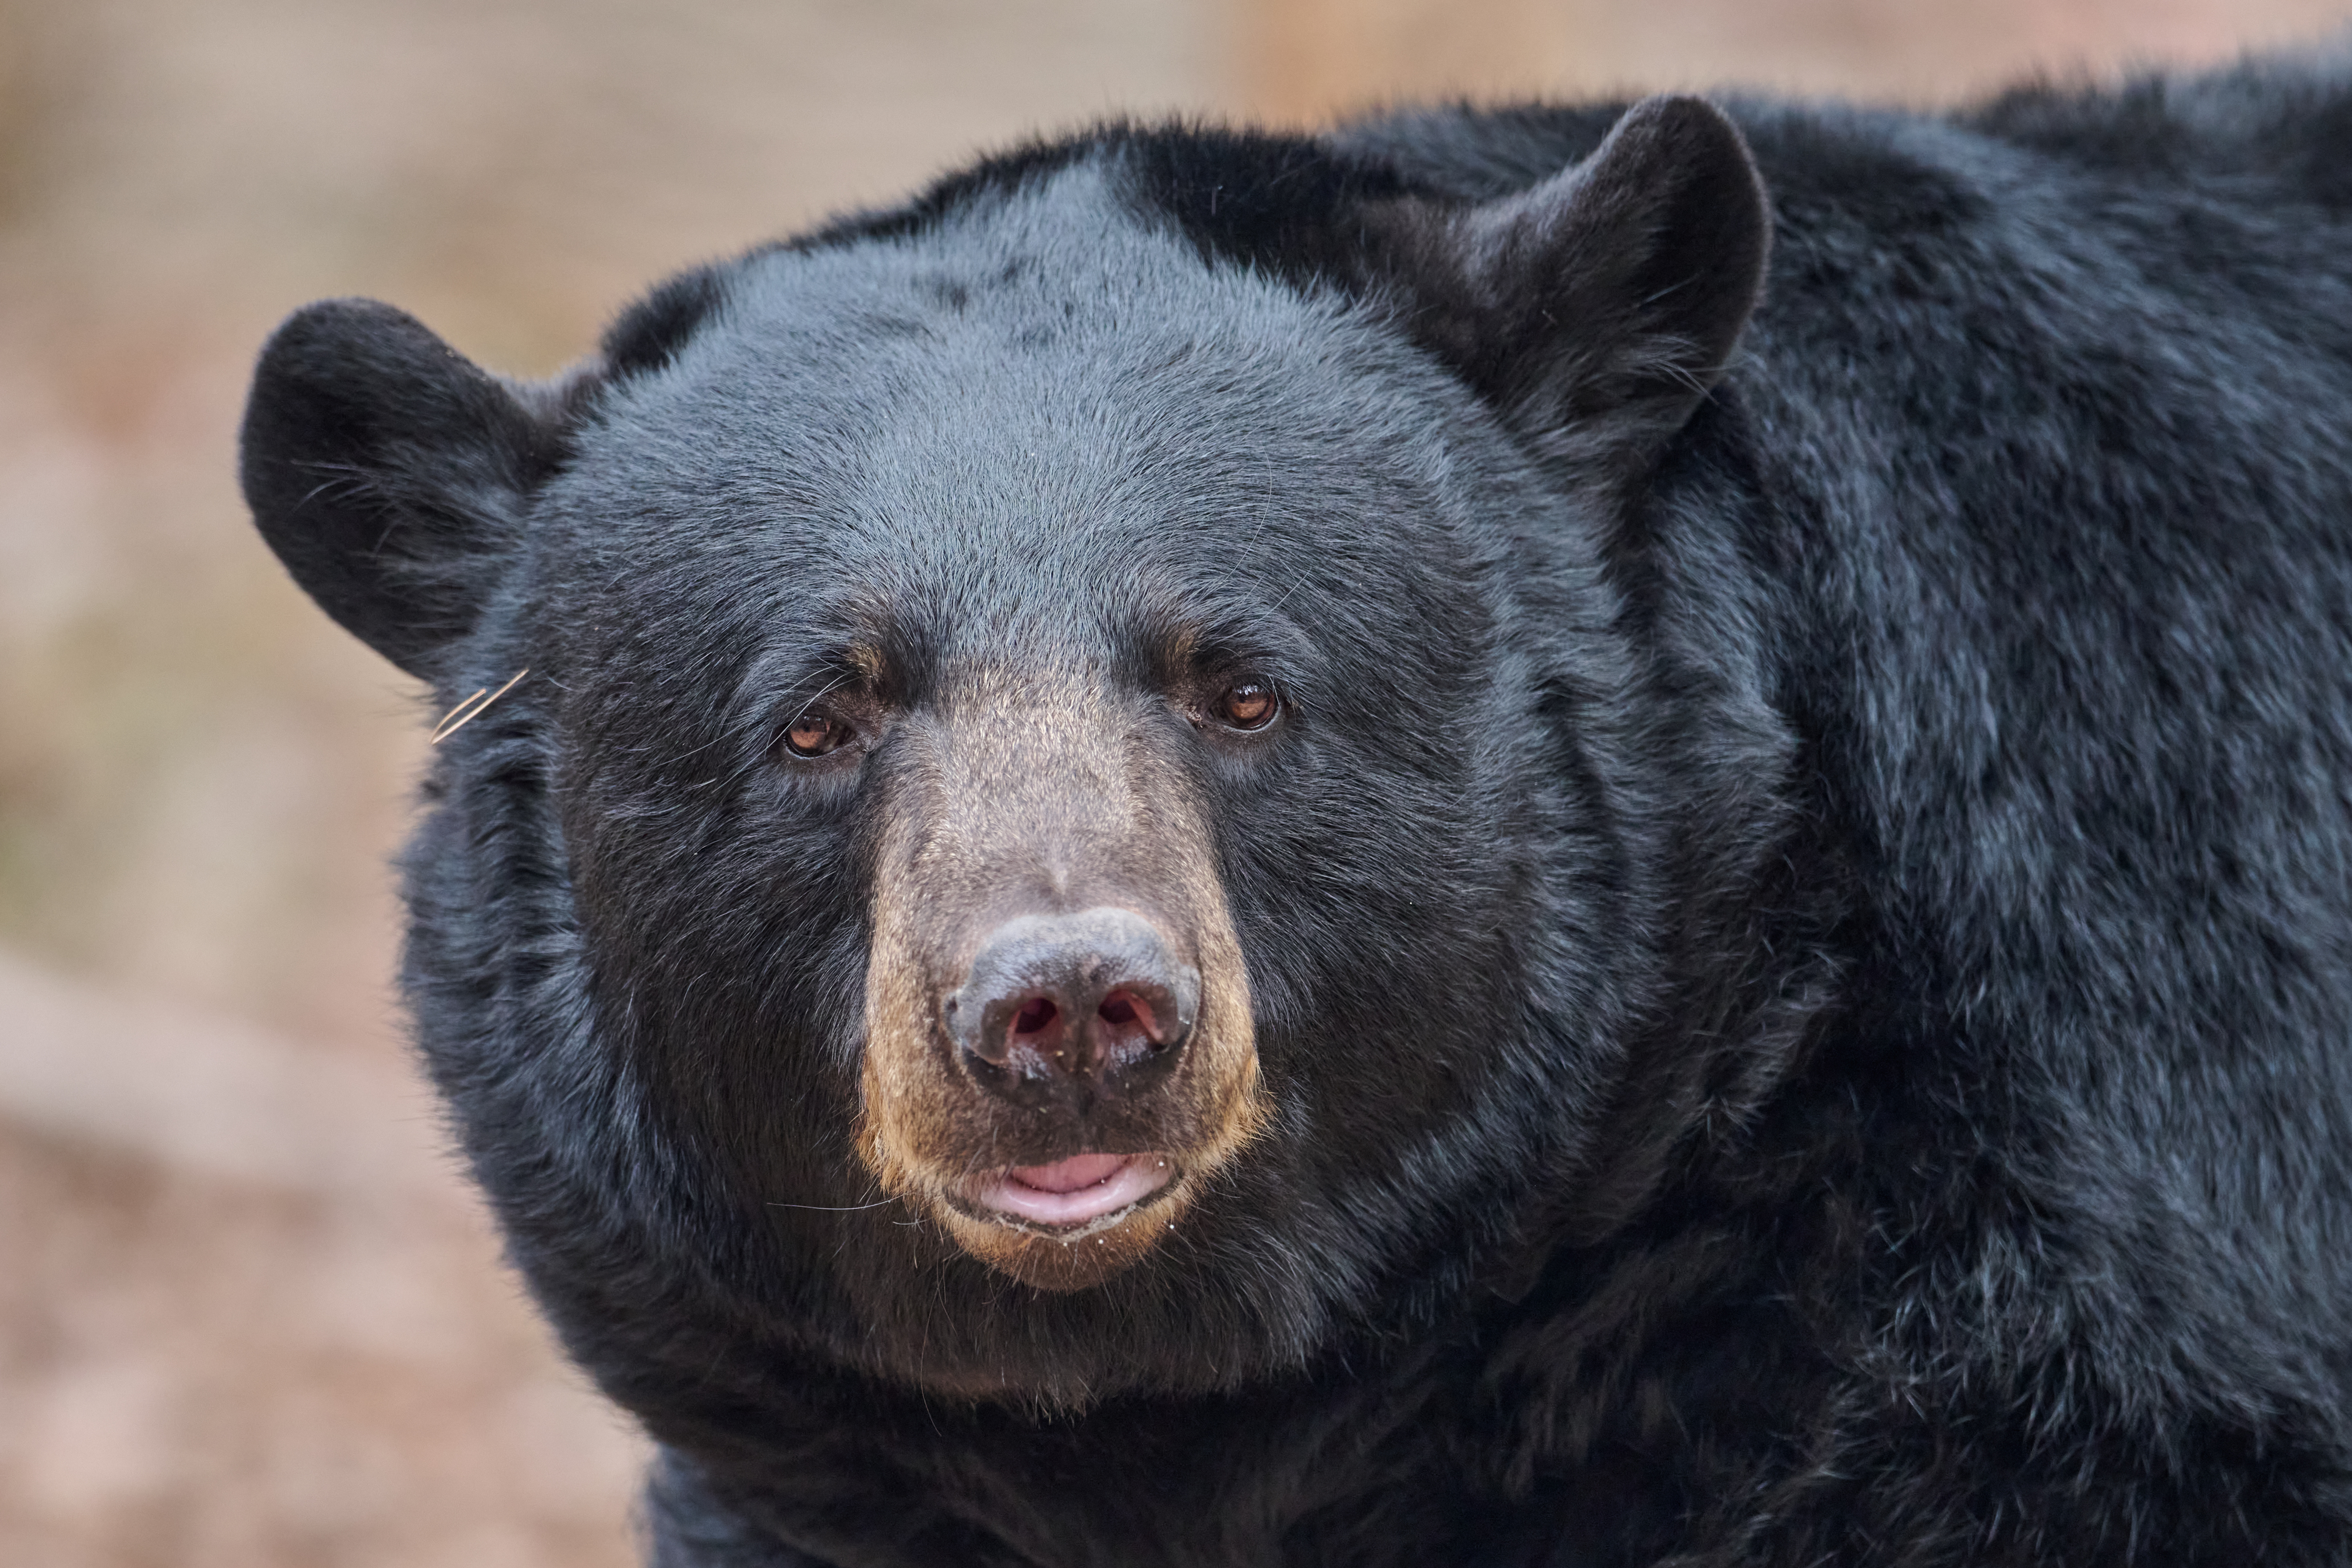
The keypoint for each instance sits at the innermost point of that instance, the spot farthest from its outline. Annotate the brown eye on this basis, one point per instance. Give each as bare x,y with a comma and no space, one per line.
1247,705
814,734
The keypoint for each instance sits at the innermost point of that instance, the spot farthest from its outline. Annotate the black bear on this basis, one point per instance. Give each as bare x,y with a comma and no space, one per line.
1564,836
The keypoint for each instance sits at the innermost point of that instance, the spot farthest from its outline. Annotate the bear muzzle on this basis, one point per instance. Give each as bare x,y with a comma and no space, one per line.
1059,1050
1057,1014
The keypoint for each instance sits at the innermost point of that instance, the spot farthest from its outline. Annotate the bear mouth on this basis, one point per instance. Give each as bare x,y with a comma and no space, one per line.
1072,1197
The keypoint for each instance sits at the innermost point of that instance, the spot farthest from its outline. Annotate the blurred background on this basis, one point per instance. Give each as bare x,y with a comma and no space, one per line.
248,1313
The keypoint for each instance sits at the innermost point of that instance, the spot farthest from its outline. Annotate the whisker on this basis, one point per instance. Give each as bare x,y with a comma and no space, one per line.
472,709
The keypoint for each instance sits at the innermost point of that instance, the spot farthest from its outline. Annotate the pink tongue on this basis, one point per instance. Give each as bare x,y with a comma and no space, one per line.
1068,1175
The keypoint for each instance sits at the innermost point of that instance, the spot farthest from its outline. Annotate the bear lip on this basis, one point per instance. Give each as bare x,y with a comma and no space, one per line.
1079,1191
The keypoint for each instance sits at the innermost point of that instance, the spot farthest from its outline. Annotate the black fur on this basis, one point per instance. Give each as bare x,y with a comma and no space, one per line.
651,332
1801,935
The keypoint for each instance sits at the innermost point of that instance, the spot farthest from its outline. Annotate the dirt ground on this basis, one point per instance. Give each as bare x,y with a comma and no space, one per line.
249,1314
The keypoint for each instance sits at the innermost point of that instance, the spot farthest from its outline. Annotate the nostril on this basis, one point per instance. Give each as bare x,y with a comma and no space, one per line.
1034,1017
1126,1012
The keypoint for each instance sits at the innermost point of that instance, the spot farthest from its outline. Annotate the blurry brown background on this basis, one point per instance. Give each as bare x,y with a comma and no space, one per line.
248,1315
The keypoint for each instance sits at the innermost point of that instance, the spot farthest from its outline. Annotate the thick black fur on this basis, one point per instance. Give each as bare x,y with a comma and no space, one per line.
1801,936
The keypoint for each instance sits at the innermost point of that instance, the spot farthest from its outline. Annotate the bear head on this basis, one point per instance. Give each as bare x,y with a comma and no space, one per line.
1069,825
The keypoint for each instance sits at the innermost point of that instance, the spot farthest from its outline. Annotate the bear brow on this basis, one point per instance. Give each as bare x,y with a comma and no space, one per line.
786,683
1195,637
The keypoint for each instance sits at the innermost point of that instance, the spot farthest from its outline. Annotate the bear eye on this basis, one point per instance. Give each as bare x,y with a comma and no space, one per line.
814,734
1247,705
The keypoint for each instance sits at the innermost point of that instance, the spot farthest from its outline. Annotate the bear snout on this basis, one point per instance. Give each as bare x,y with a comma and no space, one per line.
1058,1038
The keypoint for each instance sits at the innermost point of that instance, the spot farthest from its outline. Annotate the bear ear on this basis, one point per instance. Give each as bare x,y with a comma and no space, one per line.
390,473
1598,308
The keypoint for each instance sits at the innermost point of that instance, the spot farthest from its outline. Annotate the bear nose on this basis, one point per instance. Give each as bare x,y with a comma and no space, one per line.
1057,1008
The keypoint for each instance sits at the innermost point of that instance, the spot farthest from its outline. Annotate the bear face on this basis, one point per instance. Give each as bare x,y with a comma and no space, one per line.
1067,830
1090,494
1012,601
